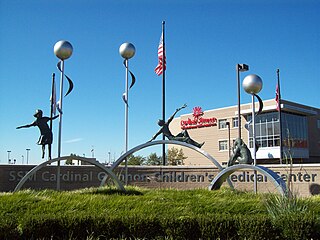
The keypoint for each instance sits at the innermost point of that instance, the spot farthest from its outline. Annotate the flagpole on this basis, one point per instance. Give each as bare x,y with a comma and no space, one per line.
51,109
163,91
280,120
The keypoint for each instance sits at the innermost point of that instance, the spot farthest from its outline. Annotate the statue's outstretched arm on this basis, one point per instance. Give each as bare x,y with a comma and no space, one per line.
25,126
177,110
53,118
156,135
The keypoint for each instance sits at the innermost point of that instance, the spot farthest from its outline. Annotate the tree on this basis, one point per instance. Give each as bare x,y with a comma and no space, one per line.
70,158
153,159
175,156
134,160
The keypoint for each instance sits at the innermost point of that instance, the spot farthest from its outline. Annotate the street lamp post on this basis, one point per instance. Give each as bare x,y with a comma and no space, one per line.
240,68
92,151
252,84
9,156
28,149
127,51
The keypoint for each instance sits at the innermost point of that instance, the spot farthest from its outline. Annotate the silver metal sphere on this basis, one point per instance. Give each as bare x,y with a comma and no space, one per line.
252,84
63,49
127,50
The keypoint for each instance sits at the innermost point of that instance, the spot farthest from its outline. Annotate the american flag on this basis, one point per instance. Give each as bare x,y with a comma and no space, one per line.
160,67
277,98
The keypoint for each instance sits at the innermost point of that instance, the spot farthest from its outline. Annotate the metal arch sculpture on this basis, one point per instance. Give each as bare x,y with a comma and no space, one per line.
93,161
271,175
148,144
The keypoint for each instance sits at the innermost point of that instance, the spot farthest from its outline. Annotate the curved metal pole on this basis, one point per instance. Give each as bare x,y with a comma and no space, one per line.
277,181
89,160
148,144
255,184
60,124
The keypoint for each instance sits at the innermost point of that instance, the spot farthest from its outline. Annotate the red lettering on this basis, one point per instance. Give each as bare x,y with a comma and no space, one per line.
198,123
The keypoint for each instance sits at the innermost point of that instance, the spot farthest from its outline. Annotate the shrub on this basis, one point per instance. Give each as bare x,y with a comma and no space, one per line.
9,228
156,214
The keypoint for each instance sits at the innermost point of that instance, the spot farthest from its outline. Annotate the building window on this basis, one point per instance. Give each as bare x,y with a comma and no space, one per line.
235,122
222,123
294,130
223,145
267,130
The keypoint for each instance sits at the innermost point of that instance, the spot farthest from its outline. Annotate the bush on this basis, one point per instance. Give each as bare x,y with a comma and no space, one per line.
43,227
298,226
257,227
292,216
8,228
222,227
156,214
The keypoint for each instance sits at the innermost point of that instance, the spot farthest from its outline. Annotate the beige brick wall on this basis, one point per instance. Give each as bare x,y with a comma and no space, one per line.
210,135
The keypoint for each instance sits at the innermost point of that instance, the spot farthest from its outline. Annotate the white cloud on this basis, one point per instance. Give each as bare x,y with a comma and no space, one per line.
74,140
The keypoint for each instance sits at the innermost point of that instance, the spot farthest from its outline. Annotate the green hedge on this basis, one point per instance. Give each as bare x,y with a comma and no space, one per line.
219,227
9,228
156,214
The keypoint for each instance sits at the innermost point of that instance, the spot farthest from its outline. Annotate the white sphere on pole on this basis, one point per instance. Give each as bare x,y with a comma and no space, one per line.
63,49
127,50
252,84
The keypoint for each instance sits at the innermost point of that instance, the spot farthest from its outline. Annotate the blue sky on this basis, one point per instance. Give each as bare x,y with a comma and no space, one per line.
204,42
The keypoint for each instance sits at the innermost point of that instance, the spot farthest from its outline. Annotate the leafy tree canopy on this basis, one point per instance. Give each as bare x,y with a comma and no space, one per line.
134,160
70,158
154,159
175,156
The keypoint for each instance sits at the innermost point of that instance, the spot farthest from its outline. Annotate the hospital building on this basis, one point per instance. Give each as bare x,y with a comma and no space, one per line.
218,128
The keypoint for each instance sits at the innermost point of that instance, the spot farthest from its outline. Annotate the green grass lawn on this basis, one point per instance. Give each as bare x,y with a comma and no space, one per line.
135,201
140,210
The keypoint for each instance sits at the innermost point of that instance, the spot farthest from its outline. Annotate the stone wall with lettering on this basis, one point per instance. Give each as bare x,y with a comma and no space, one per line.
303,179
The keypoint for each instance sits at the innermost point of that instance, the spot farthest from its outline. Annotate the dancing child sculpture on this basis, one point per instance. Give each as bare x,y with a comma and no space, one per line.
182,136
46,133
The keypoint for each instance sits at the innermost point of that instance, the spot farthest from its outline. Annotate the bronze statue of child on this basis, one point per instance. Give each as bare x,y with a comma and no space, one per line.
45,131
182,136
241,154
